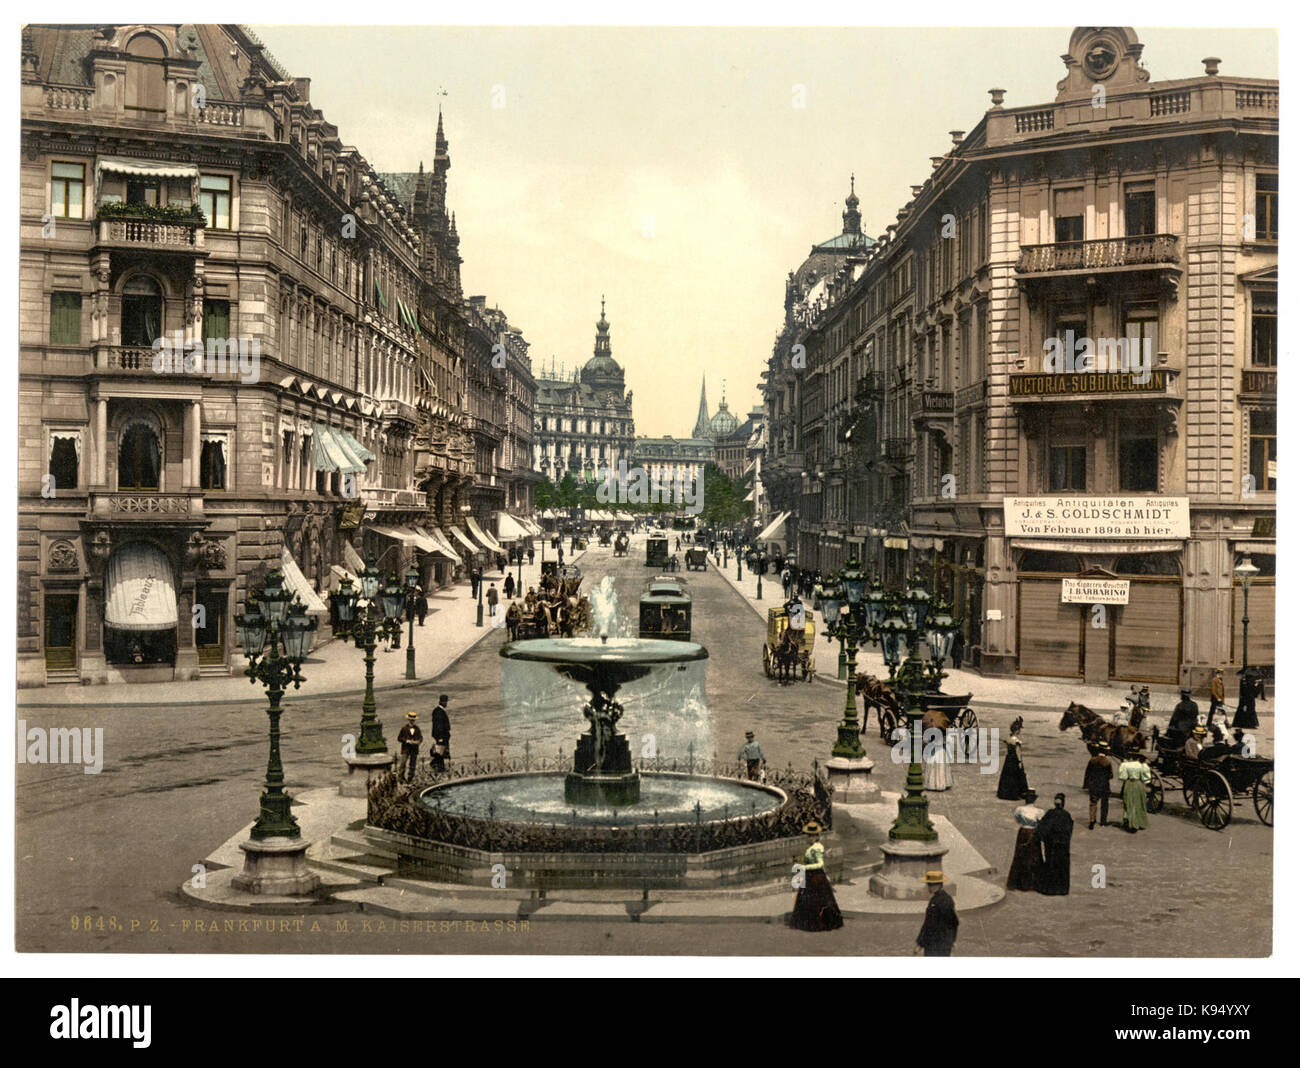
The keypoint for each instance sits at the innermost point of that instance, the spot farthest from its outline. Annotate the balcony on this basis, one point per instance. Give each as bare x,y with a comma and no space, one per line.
395,411
382,498
1258,382
132,227
1144,252
147,506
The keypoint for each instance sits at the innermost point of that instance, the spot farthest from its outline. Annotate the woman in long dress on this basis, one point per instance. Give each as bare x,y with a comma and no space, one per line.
1134,776
936,774
1027,861
1054,831
814,902
1012,783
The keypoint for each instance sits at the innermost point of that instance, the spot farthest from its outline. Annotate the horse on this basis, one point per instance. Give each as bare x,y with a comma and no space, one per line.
1097,729
878,695
787,654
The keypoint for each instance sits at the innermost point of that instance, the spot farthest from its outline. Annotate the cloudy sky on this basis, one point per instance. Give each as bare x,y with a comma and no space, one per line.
670,168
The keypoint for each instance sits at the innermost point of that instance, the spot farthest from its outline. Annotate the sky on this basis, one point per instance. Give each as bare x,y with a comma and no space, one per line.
670,169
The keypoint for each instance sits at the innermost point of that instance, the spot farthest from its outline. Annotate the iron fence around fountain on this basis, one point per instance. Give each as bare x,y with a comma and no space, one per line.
394,804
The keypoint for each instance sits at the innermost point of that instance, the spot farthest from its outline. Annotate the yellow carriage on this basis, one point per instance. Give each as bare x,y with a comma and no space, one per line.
783,656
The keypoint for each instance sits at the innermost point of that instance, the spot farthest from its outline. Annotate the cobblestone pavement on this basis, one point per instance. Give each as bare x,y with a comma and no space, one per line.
177,781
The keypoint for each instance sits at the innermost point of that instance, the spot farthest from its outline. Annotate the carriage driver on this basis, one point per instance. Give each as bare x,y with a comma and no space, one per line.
794,612
1185,716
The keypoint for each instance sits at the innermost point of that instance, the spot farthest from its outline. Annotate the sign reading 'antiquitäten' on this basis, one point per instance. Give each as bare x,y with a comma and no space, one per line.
1096,517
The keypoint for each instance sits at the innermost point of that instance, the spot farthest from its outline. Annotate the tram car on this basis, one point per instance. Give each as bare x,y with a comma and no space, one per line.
665,613
656,551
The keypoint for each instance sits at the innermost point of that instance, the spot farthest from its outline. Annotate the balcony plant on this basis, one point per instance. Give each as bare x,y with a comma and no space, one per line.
186,214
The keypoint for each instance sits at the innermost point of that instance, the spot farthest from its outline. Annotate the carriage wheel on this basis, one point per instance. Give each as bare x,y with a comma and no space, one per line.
1264,798
888,721
1155,794
1215,800
1189,790
966,721
767,661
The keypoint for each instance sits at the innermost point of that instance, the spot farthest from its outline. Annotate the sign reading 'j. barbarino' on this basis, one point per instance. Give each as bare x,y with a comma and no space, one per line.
1096,517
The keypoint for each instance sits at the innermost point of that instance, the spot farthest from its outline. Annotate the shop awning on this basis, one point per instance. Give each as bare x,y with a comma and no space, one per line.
328,453
509,528
298,584
146,168
427,543
1051,545
770,531
357,449
437,535
489,543
460,536
140,592
400,534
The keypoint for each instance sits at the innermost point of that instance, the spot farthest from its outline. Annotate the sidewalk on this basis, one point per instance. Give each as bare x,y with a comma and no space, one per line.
334,668
992,690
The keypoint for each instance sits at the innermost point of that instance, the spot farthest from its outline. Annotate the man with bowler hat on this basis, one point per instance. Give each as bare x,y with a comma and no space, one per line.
440,731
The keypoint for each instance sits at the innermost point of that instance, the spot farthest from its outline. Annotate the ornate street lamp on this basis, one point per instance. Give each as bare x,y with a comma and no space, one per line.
876,605
845,619
363,625
412,584
940,632
276,637
1245,571
893,638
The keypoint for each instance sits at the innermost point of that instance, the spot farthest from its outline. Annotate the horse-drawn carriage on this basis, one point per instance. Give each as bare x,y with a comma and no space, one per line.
605,537
697,558
621,542
665,612
1212,781
656,551
787,649
942,711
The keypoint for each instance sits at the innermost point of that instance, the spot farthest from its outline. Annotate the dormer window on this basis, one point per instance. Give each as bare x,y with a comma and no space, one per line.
146,90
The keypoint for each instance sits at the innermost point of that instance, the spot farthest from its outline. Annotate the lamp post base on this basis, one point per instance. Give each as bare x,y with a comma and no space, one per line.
276,866
850,780
903,876
363,768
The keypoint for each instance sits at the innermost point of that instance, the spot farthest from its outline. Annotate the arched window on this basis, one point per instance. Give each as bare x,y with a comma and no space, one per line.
139,457
146,91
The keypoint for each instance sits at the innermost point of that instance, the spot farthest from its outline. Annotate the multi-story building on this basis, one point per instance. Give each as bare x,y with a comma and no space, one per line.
584,424
1088,518
181,196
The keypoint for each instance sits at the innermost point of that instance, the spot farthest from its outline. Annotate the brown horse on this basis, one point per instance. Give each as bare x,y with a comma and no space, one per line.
1096,729
879,695
787,654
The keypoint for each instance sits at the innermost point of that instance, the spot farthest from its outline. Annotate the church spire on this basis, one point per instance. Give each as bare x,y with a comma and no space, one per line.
851,216
702,420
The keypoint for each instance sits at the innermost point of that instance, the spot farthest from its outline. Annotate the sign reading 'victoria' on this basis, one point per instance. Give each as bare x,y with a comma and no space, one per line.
1096,517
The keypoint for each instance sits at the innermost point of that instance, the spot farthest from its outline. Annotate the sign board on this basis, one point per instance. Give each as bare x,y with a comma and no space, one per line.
1094,591
351,514
1050,384
993,615
1133,518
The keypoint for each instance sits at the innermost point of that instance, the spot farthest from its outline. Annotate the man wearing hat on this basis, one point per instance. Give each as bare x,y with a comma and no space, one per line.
1194,745
939,929
440,730
1096,780
751,753
1185,716
409,738
1216,693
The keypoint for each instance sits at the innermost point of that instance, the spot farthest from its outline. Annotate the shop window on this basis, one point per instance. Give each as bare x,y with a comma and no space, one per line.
1263,330
138,648
1067,467
1069,215
1266,207
1139,209
1263,449
1039,560
68,190
1139,465
65,318
1146,564
139,458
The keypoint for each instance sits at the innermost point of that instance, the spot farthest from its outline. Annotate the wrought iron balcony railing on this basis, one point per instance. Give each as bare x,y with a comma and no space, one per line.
1143,251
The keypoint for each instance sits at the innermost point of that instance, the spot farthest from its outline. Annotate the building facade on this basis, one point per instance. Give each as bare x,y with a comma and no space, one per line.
584,424
1052,383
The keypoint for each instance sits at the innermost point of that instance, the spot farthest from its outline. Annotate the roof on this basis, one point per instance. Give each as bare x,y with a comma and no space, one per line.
844,242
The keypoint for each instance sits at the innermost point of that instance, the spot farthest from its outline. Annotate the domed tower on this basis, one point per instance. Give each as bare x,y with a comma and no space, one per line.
723,424
602,372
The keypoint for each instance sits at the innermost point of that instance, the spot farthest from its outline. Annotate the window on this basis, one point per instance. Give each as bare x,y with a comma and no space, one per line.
1069,215
302,243
142,191
145,85
1263,330
65,459
139,459
216,319
1263,449
141,311
1067,467
215,199
286,458
1266,207
1142,331
1139,465
1139,209
65,318
68,190
212,464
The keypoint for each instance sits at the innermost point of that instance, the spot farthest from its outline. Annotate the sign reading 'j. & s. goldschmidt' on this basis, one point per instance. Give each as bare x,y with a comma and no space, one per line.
1096,517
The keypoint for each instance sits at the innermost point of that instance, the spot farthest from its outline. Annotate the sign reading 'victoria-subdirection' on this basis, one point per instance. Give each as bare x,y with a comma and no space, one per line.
1094,591
1096,517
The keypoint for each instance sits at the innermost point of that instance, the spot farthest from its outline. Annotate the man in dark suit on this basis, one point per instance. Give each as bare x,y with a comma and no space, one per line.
1096,780
939,931
440,732
409,738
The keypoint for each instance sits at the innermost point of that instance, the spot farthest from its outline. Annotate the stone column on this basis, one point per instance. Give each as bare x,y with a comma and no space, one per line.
101,442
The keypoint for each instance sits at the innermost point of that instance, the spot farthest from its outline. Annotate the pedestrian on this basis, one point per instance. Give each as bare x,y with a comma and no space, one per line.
492,598
1028,857
475,577
531,553
1185,716
1054,831
440,732
409,738
814,902
421,606
1096,780
542,620
958,648
1134,776
513,618
751,755
1013,784
939,929
1216,692
1251,687
936,775
509,587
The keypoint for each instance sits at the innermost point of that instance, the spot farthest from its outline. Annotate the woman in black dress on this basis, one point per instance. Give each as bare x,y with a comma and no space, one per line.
1027,860
814,902
1013,784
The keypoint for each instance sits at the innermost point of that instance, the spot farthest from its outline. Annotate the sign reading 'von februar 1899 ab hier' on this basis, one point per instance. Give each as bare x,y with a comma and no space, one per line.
1096,517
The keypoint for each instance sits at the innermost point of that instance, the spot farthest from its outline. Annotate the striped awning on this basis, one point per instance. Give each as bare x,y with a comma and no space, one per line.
489,543
297,582
437,535
509,528
146,168
141,594
330,453
355,447
460,536
770,531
